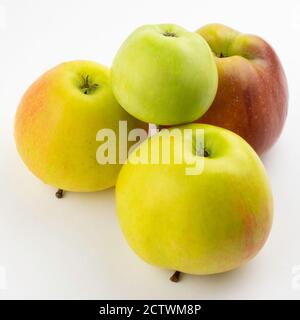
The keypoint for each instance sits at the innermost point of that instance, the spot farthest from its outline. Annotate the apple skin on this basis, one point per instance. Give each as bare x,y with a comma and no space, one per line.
56,126
252,96
198,224
164,74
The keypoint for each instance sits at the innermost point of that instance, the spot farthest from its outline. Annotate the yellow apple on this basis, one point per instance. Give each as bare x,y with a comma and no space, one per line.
57,122
204,223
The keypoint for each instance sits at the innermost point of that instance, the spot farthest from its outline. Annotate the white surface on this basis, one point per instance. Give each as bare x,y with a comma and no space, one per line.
73,248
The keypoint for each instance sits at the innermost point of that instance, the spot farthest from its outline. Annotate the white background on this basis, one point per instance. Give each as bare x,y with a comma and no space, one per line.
73,248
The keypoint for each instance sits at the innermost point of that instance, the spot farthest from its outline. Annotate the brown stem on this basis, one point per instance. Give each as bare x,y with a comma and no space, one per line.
170,34
175,277
59,193
86,86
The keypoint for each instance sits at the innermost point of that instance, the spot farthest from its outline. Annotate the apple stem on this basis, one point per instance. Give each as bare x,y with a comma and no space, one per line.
59,193
175,277
86,86
170,34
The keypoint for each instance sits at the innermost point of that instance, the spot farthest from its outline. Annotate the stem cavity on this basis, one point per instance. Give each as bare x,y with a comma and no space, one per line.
170,34
87,87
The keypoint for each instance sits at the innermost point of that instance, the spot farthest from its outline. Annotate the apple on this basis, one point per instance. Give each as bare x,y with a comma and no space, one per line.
252,96
164,74
56,125
203,223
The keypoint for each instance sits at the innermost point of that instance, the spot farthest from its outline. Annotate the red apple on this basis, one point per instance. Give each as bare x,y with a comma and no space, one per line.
252,97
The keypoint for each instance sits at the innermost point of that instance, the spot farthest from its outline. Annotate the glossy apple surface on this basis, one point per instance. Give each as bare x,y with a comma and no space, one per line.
164,74
57,122
199,224
252,96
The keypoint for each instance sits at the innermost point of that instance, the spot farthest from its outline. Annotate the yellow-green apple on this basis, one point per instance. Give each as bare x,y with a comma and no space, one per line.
57,122
164,74
252,96
203,223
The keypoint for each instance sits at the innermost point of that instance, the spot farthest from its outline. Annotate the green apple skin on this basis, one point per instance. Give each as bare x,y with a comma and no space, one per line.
197,224
164,74
57,122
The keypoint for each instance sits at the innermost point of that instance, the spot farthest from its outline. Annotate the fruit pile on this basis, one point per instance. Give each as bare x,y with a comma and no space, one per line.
193,196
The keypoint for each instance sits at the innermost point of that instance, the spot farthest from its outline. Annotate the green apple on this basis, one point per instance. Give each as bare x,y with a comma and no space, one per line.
164,74
204,223
57,122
